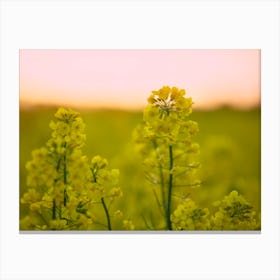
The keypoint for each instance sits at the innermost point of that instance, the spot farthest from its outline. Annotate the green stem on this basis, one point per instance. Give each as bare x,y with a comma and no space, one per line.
161,181
65,178
54,210
162,188
163,212
60,212
107,213
65,171
170,183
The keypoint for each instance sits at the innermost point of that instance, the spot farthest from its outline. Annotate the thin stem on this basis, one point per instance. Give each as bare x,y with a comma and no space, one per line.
162,189
54,210
98,223
94,175
58,164
109,206
146,223
170,183
65,171
152,219
60,212
188,185
161,181
158,203
107,213
151,180
65,178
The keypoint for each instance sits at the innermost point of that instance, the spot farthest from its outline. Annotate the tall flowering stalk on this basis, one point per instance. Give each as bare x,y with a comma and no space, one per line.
166,141
65,191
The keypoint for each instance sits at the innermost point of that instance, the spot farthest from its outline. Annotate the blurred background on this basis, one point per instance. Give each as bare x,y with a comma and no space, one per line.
110,88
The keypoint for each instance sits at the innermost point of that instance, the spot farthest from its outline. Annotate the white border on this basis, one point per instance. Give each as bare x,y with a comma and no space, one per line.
139,24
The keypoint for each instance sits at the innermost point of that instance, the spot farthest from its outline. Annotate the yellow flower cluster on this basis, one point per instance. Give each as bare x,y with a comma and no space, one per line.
102,176
68,131
187,216
166,116
234,213
30,196
169,100
64,188
41,173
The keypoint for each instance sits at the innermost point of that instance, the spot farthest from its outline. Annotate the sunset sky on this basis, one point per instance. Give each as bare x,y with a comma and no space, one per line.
125,78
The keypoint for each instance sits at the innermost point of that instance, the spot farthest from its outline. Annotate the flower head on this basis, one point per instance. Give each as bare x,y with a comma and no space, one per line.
169,99
234,213
187,216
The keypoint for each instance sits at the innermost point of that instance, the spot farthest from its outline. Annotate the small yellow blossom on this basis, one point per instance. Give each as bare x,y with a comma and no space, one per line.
128,225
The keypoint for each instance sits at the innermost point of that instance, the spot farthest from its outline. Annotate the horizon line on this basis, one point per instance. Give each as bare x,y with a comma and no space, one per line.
27,104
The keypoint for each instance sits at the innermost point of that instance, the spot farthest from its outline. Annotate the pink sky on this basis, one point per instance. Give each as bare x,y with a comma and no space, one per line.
125,78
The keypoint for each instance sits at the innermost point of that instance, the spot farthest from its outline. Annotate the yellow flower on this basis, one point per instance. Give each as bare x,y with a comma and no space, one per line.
116,192
58,224
234,213
118,213
36,207
31,196
187,216
128,225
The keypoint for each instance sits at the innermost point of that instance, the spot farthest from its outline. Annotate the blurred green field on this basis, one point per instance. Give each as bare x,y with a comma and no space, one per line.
230,142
